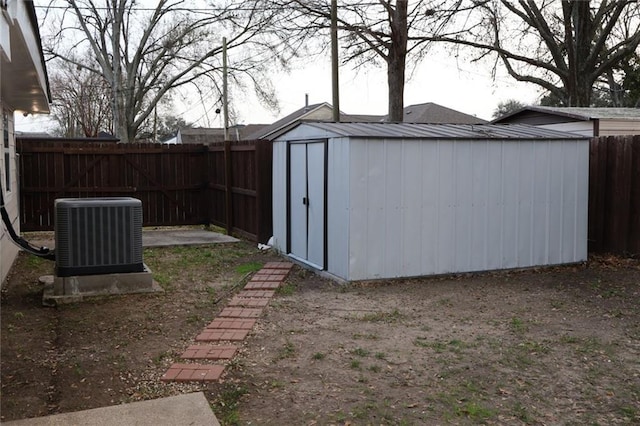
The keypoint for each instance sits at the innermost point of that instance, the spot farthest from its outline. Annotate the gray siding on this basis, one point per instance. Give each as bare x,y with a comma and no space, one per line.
279,196
432,207
338,192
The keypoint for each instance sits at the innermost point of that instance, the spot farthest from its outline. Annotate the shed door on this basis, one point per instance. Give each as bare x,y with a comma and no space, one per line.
307,202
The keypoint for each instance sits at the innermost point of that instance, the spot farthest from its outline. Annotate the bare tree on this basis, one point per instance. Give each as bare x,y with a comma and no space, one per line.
564,47
391,32
145,52
81,101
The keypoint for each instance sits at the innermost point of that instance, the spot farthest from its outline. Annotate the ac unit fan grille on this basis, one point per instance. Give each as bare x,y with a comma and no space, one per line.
98,236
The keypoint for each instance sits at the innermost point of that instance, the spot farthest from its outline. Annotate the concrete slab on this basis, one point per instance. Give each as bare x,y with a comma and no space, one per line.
160,238
188,409
183,237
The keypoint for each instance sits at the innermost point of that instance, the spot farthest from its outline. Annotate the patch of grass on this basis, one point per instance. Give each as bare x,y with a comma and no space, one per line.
164,280
569,339
445,301
287,351
355,364
534,347
276,384
374,368
286,289
517,325
318,356
387,317
158,359
78,370
227,405
246,268
521,413
365,336
474,411
194,319
380,355
557,304
454,345
360,352
630,412
192,263
35,261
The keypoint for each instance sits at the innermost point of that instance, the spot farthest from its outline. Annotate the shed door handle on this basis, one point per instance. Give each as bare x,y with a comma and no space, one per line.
305,201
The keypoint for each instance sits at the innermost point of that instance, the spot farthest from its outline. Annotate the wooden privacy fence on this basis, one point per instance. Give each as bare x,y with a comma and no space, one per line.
225,184
614,195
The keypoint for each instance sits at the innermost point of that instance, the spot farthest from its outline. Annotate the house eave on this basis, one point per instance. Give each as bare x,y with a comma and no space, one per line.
25,85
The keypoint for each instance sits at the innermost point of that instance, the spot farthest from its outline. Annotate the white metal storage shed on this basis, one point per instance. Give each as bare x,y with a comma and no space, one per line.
381,200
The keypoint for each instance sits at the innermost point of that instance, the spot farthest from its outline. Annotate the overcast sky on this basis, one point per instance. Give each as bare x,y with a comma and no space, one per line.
466,87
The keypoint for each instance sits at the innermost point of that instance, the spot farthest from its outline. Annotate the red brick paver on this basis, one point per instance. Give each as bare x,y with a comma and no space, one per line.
256,293
217,335
278,265
193,373
240,313
273,271
263,277
249,302
232,323
209,352
262,285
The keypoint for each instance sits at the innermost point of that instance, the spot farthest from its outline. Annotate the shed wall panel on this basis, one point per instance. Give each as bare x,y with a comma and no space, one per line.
474,205
279,175
394,197
412,170
338,207
428,229
478,214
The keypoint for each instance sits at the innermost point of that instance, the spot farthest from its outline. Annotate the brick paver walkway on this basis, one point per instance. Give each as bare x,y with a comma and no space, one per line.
233,324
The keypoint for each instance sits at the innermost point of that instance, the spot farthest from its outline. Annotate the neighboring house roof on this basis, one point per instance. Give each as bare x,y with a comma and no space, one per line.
33,135
200,135
25,82
436,131
361,118
421,113
321,111
575,113
433,113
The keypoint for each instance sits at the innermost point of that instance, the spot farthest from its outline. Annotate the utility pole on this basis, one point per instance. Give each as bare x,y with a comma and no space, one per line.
334,61
225,94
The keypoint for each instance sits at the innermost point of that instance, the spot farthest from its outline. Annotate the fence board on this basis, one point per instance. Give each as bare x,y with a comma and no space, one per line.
177,184
614,195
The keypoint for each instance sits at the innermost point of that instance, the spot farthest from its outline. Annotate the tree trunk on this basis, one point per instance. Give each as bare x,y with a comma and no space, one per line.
396,61
578,24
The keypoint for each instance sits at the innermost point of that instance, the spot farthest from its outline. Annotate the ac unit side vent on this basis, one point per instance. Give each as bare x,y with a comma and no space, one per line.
98,236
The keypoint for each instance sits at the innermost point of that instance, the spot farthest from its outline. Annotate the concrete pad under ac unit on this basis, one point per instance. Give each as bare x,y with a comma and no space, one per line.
61,290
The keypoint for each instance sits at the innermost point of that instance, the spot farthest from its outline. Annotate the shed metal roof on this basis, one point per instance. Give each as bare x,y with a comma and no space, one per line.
439,131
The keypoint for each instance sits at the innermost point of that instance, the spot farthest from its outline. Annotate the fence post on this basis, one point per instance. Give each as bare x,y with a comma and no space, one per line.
205,194
228,186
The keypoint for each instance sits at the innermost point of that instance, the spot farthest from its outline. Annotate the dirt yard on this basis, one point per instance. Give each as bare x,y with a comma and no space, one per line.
550,346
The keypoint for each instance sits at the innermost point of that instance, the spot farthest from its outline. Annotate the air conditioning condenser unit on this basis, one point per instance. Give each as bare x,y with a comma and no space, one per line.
98,236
